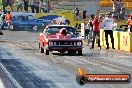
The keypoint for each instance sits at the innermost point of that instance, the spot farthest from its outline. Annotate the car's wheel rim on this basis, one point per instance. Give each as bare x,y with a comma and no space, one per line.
11,27
35,28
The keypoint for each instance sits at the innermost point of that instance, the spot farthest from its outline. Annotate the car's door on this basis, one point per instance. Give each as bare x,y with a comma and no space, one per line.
31,20
23,22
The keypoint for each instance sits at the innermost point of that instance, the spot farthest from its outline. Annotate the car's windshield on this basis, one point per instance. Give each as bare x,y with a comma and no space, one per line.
55,29
30,17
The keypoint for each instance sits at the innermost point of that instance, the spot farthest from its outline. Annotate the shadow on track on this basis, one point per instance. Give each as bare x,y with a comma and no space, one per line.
66,54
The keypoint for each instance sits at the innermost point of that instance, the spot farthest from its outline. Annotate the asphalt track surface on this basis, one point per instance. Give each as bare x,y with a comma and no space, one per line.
23,66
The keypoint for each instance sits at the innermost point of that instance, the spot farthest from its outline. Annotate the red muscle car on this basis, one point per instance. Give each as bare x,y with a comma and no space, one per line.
60,38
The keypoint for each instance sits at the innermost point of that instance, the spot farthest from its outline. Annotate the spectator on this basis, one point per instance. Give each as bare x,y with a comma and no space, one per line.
91,25
37,6
91,21
32,4
84,13
119,8
8,18
48,6
9,3
46,9
87,31
42,3
96,31
19,5
26,5
76,13
3,15
108,27
4,4
114,5
1,19
130,23
12,2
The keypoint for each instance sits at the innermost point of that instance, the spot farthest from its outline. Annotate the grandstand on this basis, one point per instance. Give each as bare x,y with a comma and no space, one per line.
127,4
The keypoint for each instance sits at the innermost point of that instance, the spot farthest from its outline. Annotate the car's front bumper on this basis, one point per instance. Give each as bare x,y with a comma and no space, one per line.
64,48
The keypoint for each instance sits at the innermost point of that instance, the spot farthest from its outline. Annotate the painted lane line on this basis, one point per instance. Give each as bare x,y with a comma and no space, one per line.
15,83
1,84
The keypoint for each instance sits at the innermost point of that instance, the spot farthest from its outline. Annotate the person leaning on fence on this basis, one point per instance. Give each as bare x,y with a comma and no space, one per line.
108,29
32,4
37,6
96,31
19,5
42,3
84,13
26,5
77,13
4,4
8,3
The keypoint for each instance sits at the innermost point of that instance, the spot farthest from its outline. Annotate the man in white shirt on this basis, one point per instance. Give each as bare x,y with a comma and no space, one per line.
108,29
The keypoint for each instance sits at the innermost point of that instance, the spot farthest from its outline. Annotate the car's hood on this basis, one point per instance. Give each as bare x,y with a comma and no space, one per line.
63,37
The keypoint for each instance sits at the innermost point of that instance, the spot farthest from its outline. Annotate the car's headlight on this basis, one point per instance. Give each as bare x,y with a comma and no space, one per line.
50,43
79,43
54,43
75,43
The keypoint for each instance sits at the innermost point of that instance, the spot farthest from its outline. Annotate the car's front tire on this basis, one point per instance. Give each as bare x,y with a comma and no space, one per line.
11,27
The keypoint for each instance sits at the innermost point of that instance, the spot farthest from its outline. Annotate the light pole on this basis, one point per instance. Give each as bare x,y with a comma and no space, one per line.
74,3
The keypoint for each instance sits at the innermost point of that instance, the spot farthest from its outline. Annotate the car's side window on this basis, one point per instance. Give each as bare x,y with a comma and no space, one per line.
19,18
22,18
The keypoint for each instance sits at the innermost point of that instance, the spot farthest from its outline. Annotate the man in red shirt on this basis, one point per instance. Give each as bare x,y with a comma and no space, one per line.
96,31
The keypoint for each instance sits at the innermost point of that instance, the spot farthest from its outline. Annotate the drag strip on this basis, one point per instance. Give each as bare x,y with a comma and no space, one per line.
32,69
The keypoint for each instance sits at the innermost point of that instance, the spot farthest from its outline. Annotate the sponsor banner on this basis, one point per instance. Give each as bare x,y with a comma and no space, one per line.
125,41
104,78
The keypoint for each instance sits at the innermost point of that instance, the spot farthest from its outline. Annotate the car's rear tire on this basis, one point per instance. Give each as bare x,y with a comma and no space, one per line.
46,52
79,52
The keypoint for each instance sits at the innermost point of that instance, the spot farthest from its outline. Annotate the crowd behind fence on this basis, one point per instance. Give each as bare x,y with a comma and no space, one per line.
34,6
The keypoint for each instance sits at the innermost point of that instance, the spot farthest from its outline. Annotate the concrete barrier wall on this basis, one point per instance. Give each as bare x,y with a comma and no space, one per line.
122,40
126,41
